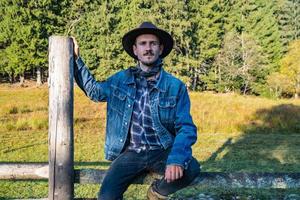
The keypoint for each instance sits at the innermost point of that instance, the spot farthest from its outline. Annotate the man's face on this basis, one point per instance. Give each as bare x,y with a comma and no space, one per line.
147,48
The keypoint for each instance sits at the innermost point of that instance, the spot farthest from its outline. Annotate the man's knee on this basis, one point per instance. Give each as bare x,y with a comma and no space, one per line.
109,190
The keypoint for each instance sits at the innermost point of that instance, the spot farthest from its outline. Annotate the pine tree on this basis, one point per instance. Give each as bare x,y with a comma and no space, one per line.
288,12
25,28
208,20
15,33
94,25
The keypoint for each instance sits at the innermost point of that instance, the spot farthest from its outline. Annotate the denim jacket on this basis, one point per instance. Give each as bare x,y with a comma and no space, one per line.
169,105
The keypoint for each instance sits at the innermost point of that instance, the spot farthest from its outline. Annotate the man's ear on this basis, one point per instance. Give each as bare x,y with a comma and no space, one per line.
134,49
161,48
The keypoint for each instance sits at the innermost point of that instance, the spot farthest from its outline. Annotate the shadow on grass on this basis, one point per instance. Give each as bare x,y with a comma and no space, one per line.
23,147
269,143
94,164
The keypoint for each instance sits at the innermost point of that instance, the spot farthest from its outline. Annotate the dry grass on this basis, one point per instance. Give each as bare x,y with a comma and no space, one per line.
235,133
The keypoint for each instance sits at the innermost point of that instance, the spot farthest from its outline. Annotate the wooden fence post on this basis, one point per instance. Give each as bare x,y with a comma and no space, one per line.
61,156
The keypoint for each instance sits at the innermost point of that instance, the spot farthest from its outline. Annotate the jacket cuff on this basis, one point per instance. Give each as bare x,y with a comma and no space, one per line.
183,167
177,160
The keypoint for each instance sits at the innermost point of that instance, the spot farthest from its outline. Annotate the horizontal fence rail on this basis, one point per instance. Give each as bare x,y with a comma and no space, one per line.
39,171
24,171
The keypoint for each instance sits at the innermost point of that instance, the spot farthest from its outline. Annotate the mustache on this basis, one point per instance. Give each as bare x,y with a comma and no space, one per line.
148,53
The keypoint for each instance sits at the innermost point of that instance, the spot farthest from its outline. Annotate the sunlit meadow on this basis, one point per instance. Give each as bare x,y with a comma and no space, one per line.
235,133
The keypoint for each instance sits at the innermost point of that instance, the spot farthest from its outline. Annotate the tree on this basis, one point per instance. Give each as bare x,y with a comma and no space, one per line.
207,19
94,26
25,27
238,64
254,21
290,66
279,84
288,14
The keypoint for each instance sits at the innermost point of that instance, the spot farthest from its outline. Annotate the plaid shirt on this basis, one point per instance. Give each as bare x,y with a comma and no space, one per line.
142,134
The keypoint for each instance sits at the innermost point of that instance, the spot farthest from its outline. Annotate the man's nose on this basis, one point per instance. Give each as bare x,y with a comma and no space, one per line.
148,46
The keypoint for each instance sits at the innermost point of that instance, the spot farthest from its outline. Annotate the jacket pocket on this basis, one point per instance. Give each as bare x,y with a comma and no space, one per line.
167,109
118,100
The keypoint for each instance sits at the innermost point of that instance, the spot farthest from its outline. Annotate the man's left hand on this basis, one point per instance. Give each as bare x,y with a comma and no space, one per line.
173,172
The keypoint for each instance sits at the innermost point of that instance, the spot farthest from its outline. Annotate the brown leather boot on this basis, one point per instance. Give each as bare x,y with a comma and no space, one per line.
152,195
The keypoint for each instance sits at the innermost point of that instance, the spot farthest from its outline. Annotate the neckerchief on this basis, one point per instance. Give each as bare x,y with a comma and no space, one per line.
138,72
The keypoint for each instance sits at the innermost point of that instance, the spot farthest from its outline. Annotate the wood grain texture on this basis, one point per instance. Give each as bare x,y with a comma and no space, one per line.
61,158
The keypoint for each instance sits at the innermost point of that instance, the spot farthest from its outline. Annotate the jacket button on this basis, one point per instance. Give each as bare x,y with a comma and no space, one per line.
129,105
121,140
125,123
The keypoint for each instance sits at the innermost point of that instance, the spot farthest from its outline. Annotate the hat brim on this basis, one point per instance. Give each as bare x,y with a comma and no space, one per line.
165,39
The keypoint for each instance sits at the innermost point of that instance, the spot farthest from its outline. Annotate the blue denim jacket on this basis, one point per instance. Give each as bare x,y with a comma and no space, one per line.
169,104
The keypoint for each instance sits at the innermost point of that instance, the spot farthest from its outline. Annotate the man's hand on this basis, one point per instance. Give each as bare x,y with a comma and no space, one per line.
76,47
173,172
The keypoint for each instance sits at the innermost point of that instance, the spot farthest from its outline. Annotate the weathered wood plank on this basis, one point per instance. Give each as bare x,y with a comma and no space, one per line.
97,175
212,179
21,171
17,171
61,150
248,180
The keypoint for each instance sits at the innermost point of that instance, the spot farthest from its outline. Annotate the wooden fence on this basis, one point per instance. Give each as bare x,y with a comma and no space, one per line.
60,169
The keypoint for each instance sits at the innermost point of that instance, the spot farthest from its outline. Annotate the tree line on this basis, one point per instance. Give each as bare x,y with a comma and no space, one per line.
245,46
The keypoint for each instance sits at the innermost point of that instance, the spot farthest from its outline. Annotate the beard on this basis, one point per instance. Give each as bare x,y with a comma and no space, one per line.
147,62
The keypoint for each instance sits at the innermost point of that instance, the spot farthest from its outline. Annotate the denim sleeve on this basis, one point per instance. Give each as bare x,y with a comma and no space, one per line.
96,91
186,132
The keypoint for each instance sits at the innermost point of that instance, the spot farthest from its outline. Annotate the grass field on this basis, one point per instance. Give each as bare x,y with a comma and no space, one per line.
235,133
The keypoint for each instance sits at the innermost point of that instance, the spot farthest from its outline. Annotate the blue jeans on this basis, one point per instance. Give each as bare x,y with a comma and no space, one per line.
130,164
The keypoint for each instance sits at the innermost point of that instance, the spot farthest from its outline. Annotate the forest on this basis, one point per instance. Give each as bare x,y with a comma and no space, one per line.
251,47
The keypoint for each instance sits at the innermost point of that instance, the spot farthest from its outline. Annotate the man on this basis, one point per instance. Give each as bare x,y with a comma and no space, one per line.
149,126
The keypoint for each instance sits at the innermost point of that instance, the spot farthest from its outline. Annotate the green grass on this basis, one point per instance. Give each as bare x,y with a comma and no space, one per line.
235,133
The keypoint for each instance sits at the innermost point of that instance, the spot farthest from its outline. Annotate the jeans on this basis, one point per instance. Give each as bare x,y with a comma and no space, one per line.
130,164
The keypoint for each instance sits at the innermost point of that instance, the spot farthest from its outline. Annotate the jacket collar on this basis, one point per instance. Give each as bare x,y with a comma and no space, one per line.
160,85
129,78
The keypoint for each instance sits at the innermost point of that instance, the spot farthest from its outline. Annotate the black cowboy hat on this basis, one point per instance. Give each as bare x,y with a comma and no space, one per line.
147,28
